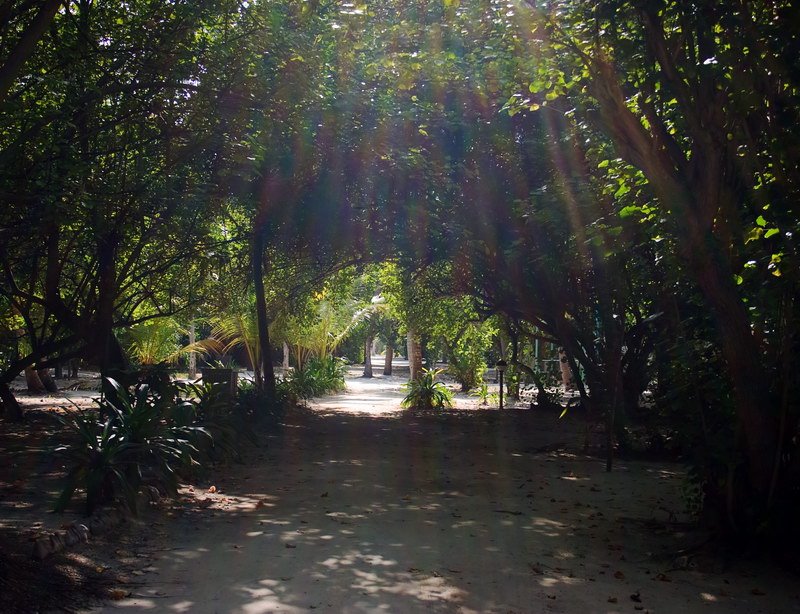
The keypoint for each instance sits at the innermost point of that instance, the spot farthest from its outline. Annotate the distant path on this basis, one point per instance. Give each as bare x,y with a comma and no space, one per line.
356,507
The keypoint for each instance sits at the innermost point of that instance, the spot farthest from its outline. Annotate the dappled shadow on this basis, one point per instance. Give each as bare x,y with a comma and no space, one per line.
438,513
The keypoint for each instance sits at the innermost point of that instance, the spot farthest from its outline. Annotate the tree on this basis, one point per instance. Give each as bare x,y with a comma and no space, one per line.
700,110
104,188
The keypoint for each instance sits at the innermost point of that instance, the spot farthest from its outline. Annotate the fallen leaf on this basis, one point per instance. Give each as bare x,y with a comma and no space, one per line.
636,597
619,575
758,592
612,600
118,594
288,545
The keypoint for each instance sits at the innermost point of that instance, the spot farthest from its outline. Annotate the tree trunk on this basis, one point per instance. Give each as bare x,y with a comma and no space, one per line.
192,355
285,357
566,372
264,345
692,210
414,354
368,357
47,381
387,361
35,385
105,346
747,375
26,45
9,406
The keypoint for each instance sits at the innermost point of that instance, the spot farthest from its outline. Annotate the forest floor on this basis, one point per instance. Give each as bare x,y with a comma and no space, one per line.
354,505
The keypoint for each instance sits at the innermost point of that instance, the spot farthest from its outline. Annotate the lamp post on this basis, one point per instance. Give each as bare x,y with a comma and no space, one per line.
501,368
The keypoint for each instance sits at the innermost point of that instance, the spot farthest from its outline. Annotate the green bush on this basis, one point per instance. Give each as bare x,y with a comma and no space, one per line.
137,437
482,393
209,406
256,405
427,392
329,373
319,376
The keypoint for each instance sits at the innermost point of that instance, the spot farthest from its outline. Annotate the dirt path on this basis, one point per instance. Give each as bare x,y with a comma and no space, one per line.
356,507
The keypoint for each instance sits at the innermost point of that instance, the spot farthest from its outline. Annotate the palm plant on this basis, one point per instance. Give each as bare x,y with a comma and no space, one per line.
154,341
427,392
326,329
236,330
483,395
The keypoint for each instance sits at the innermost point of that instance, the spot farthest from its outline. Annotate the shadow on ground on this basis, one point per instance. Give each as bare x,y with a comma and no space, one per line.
462,512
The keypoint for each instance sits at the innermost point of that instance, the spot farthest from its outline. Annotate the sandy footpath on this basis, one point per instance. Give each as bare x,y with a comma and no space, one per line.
356,507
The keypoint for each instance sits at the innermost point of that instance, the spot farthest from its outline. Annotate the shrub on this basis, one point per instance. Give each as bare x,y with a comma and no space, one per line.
209,406
427,392
254,404
328,374
137,437
319,376
483,395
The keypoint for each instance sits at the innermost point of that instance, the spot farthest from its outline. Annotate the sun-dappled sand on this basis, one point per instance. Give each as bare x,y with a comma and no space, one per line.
356,506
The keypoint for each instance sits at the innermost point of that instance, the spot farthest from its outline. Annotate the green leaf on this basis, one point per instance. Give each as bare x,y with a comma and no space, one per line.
771,233
754,234
621,191
760,221
603,164
738,279
629,211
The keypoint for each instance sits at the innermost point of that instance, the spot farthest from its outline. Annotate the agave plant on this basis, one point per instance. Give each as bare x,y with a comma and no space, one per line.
427,392
100,461
136,437
209,406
